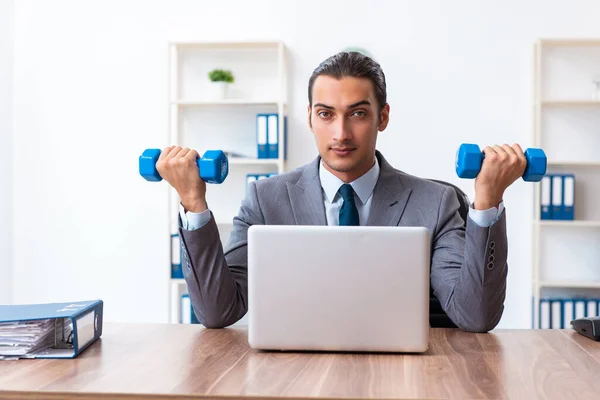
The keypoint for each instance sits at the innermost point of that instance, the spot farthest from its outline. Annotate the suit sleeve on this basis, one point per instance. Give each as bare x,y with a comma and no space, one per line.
469,267
217,279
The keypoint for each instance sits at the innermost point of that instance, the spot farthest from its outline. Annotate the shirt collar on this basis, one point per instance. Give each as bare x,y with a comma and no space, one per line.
363,186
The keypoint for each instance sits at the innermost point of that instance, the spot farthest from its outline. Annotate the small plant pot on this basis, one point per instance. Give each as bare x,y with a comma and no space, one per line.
219,90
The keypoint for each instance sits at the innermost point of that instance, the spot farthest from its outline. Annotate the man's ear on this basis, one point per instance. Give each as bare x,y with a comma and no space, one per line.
309,110
384,118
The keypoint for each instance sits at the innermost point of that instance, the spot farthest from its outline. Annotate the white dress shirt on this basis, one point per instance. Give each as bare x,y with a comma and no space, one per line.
363,193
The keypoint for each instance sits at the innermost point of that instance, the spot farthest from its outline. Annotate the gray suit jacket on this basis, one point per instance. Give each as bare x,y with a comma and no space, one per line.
468,266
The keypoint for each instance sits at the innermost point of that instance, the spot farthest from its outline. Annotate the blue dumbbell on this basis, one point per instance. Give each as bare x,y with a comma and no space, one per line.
469,158
213,166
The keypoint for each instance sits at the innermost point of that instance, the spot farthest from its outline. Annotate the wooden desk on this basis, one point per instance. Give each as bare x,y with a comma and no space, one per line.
186,361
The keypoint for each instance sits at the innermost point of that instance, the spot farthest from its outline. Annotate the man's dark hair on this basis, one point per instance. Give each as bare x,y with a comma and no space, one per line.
355,65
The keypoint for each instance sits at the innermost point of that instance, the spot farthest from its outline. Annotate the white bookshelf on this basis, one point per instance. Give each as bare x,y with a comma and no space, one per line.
570,284
571,103
569,224
252,161
573,164
199,120
227,102
566,255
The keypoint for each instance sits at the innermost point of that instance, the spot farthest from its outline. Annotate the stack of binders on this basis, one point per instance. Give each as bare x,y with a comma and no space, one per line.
267,135
558,197
557,313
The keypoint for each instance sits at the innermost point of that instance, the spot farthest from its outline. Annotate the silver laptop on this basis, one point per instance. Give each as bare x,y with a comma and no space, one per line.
338,288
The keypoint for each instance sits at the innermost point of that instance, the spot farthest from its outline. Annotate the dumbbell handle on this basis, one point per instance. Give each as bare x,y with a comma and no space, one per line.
213,166
526,173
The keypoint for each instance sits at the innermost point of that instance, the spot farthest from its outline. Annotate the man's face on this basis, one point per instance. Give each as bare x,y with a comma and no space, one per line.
345,121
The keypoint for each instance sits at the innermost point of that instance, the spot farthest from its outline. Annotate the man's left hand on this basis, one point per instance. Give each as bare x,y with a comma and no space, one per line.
502,165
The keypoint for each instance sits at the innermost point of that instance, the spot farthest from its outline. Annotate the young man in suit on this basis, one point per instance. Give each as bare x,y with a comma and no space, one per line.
350,183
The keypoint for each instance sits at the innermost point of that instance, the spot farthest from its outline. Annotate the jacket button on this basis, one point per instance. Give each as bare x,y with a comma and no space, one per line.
490,265
492,244
491,258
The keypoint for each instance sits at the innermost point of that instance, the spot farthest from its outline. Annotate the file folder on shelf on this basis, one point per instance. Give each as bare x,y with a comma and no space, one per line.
187,315
556,310
176,270
568,311
546,189
544,315
568,211
592,308
273,136
557,196
52,330
261,135
580,308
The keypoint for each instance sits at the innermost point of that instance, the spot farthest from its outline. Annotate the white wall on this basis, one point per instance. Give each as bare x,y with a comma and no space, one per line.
91,90
6,133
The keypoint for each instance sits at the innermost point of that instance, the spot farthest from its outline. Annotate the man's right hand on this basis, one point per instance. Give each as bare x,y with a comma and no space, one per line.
177,166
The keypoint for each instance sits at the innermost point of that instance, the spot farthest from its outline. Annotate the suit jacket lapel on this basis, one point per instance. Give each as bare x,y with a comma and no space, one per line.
389,197
306,197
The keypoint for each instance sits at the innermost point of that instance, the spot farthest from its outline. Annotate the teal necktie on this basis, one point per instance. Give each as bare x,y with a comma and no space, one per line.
348,212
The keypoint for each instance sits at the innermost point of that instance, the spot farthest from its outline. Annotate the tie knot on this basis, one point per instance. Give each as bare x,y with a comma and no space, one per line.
347,192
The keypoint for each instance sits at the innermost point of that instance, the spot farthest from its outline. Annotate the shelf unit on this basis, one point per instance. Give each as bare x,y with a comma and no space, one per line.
566,125
200,120
226,102
573,164
571,103
570,224
569,284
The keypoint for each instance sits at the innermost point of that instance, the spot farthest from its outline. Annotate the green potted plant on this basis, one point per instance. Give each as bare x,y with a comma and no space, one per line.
221,79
